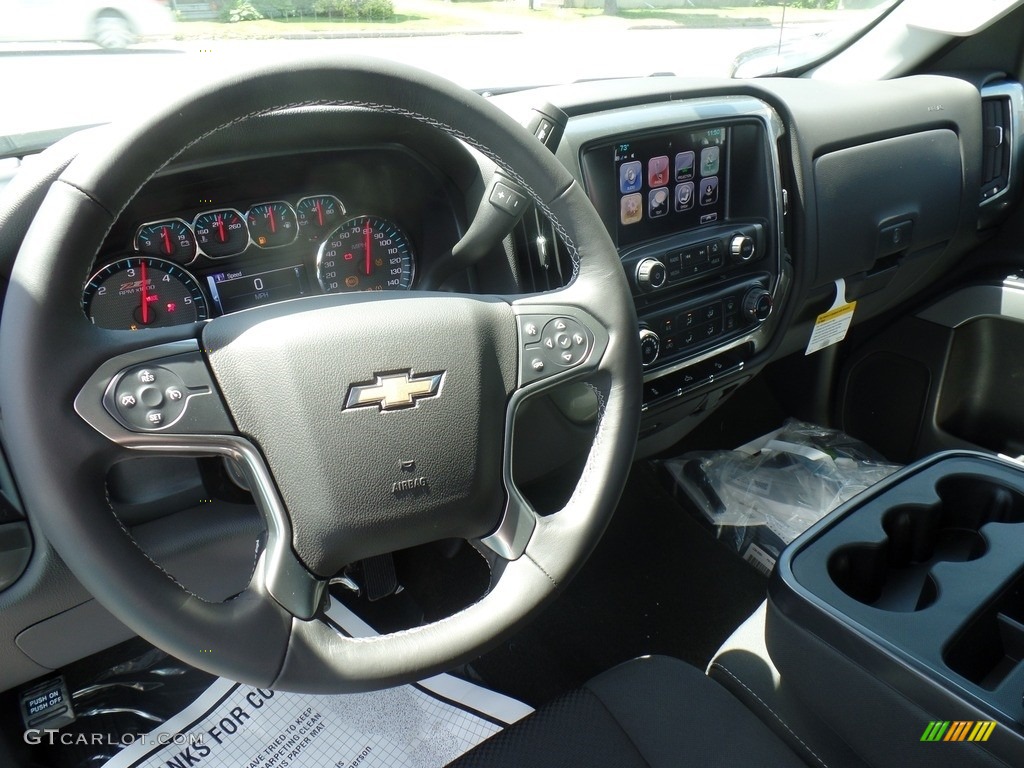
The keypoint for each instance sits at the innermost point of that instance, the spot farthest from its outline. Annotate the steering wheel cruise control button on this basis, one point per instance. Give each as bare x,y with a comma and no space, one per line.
144,386
151,397
169,390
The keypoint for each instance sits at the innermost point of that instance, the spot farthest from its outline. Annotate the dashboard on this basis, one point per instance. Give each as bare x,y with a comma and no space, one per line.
710,191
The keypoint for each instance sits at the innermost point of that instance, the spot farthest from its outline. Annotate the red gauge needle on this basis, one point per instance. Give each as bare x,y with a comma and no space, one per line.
367,233
220,229
319,208
145,293
273,224
167,241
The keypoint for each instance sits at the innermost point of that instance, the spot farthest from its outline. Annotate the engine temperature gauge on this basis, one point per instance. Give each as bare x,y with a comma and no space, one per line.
221,233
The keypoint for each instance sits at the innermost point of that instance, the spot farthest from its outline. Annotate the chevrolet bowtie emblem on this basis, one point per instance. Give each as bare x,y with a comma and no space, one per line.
392,391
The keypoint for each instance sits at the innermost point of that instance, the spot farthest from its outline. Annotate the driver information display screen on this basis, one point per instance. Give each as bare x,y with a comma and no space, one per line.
669,183
238,289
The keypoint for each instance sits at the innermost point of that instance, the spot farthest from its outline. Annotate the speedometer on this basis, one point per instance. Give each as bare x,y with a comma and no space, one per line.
366,253
143,292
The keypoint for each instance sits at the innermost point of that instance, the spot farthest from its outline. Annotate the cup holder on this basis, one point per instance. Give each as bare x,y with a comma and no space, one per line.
895,574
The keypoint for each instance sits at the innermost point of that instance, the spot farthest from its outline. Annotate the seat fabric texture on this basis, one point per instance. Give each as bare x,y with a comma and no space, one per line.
654,712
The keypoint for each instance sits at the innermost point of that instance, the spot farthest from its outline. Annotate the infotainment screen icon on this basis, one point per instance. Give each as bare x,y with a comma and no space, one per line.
684,196
630,177
709,161
684,166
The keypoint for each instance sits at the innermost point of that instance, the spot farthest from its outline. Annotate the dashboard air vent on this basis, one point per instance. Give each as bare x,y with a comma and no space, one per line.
543,259
996,146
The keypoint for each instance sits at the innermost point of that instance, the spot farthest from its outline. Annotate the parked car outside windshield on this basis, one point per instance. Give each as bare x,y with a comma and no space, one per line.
115,24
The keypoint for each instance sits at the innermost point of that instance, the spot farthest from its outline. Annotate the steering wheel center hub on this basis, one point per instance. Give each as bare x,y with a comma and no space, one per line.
381,420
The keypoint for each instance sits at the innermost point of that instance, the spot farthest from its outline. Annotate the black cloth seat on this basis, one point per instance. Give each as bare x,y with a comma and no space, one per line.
647,713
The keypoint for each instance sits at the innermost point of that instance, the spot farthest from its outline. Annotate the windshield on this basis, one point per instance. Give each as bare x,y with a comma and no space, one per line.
95,60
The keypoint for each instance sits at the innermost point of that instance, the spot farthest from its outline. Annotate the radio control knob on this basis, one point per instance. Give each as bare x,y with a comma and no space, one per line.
757,304
650,346
650,274
742,247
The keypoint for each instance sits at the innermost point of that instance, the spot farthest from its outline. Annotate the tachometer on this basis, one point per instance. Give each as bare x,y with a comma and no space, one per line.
366,253
143,292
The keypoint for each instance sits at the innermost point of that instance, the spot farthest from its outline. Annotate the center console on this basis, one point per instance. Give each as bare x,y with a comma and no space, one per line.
900,617
691,194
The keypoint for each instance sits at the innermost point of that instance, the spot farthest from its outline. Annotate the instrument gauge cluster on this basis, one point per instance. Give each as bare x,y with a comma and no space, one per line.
188,267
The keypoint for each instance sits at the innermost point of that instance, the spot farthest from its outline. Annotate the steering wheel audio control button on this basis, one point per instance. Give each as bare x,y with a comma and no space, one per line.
570,341
551,344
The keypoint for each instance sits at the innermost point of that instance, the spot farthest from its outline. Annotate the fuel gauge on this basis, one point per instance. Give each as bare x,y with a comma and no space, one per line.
170,239
272,225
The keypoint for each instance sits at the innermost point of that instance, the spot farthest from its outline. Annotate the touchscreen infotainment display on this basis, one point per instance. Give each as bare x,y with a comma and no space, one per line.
669,183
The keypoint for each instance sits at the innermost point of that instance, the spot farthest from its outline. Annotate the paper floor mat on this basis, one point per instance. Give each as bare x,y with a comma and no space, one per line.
427,724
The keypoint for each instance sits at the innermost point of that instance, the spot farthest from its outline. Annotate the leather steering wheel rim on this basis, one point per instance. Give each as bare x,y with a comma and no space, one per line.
49,349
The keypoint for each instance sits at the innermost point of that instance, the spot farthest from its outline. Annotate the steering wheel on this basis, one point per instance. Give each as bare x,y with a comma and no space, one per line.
363,423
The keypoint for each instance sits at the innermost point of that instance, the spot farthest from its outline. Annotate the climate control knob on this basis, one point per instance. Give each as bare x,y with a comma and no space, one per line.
757,304
742,247
650,274
650,346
